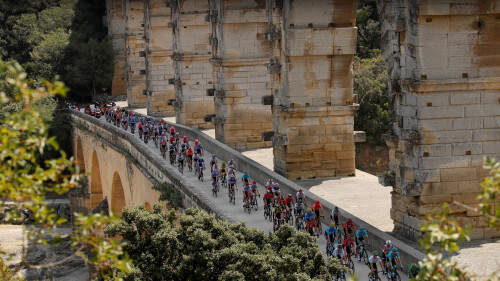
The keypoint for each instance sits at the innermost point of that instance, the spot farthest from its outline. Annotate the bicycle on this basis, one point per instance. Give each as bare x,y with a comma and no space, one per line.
247,207
363,254
190,164
289,217
140,133
232,195
277,224
392,273
330,248
340,276
254,201
146,138
155,140
268,214
181,167
373,276
200,174
318,223
300,223
172,157
215,188
224,180
132,128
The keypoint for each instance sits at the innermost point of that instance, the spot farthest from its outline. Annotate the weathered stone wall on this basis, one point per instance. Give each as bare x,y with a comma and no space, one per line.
135,47
159,64
116,31
442,59
193,71
313,44
240,53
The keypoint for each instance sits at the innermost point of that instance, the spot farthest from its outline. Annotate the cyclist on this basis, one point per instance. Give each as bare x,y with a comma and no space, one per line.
349,228
311,226
268,199
373,263
277,216
141,129
339,253
394,259
223,169
335,215
276,190
231,171
255,190
213,163
200,165
349,245
185,139
231,164
301,195
172,131
387,248
199,149
245,178
146,132
317,207
163,145
232,185
299,211
308,215
132,124
413,270
330,233
361,239
270,184
288,204
246,194
180,160
215,176
171,152
189,153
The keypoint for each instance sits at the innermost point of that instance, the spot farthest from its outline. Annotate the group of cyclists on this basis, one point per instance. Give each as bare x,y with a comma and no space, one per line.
343,239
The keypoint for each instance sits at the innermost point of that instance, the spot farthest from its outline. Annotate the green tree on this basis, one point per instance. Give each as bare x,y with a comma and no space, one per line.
370,84
368,25
24,181
196,246
443,233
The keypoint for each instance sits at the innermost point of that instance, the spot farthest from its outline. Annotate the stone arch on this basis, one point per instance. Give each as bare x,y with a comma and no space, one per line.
80,158
96,193
117,194
147,206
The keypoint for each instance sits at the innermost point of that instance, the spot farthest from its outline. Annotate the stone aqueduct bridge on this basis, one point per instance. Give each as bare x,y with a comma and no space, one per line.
283,68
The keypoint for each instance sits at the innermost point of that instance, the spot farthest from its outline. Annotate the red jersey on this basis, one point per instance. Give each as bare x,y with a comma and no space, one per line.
281,202
189,152
348,242
268,196
387,249
317,206
289,200
349,225
311,224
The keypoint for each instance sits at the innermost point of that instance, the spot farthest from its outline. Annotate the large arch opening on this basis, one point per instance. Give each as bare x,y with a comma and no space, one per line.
80,159
117,195
96,194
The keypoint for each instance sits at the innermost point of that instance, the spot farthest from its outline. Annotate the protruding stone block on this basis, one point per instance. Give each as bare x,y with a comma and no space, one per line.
359,136
387,179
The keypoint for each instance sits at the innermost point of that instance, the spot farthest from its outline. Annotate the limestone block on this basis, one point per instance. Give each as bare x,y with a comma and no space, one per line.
481,110
458,174
486,135
441,112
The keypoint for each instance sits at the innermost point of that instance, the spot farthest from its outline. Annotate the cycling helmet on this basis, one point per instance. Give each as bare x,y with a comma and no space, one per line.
299,201
223,162
196,140
388,242
308,210
332,224
300,190
213,155
185,137
277,185
375,253
289,195
247,183
394,249
246,172
361,228
336,208
254,182
317,201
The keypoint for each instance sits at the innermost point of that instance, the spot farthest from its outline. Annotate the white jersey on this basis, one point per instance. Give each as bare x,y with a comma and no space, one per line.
338,252
301,196
374,259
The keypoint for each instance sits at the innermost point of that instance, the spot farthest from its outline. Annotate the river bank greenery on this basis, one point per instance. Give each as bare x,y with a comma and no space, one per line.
59,38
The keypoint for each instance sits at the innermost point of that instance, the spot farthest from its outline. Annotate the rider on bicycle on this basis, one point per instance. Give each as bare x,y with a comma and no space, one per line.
246,194
387,248
268,199
349,245
213,163
215,176
223,169
270,184
361,239
373,263
199,149
311,225
185,139
172,131
349,228
394,259
335,215
331,233
317,207
232,184
339,253
301,195
163,144
255,190
245,178
299,211
277,215
189,153
288,204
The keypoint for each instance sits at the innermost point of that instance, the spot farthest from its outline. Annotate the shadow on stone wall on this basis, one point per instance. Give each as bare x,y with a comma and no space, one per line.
372,158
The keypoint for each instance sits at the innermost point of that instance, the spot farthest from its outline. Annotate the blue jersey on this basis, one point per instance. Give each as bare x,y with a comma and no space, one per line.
201,162
254,186
331,230
361,234
393,255
309,215
232,180
245,178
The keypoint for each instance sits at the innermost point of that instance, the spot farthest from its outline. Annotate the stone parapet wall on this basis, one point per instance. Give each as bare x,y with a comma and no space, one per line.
241,51
444,107
313,46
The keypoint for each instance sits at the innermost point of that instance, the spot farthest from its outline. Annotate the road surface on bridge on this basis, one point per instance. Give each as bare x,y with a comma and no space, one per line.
255,218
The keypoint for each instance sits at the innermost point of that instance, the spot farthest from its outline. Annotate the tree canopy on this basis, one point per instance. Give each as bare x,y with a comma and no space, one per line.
197,246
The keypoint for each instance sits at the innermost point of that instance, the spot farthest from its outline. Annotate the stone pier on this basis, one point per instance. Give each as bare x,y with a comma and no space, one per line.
159,64
443,62
313,44
135,47
240,53
116,31
191,55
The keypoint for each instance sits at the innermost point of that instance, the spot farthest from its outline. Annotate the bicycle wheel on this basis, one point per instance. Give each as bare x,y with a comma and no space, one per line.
265,213
291,219
271,214
365,258
351,265
256,204
233,197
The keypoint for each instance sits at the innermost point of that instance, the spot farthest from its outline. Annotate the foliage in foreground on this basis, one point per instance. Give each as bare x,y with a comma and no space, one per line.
442,233
169,194
197,246
24,181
